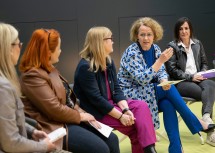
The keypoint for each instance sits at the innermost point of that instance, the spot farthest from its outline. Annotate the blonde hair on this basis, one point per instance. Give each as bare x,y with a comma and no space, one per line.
8,36
149,22
94,50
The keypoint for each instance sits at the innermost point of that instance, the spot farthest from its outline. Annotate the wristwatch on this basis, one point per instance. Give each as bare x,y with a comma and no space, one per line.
125,110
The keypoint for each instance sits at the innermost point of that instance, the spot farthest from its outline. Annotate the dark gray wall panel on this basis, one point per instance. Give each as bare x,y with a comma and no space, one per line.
25,31
207,34
73,18
37,10
69,38
69,45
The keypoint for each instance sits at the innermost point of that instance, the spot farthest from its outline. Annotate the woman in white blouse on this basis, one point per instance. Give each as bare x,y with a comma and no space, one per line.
188,59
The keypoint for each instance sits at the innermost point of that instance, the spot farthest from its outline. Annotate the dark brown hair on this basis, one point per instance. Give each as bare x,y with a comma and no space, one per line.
178,25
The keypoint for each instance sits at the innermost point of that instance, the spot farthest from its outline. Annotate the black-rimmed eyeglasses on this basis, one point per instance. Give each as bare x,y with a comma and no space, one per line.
19,44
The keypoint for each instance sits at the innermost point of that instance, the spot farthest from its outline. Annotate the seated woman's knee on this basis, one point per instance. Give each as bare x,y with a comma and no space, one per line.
165,105
113,143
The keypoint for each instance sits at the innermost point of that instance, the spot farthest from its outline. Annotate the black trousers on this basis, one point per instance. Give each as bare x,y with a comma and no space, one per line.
203,91
85,139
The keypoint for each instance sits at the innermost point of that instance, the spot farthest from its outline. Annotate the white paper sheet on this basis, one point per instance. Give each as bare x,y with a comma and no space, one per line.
169,82
57,134
105,129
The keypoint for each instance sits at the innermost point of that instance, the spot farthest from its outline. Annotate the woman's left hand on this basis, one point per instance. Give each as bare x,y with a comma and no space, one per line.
37,135
132,118
166,87
90,118
95,124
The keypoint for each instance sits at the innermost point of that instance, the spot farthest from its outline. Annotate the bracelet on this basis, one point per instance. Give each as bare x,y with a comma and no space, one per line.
125,110
120,116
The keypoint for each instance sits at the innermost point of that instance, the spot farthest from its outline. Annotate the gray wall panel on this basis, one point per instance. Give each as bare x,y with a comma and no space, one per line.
73,18
69,45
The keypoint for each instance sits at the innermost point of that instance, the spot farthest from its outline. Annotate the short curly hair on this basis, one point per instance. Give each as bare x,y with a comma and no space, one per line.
149,22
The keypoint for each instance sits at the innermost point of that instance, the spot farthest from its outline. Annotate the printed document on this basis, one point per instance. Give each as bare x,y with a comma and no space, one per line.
105,129
169,82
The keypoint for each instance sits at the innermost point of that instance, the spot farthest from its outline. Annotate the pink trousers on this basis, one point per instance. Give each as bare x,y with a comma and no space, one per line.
141,133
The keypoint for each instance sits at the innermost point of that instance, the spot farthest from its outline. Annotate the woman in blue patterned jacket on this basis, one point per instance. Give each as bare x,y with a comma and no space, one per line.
142,69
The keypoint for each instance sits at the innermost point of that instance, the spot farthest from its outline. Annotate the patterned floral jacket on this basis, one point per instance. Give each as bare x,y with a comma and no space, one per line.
135,78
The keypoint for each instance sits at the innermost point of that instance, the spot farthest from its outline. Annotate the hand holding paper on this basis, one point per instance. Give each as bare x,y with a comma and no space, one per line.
208,74
105,129
169,82
95,124
57,134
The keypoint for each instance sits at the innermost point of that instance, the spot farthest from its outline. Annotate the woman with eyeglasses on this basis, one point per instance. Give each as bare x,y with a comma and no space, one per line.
188,59
14,130
98,90
49,99
142,69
